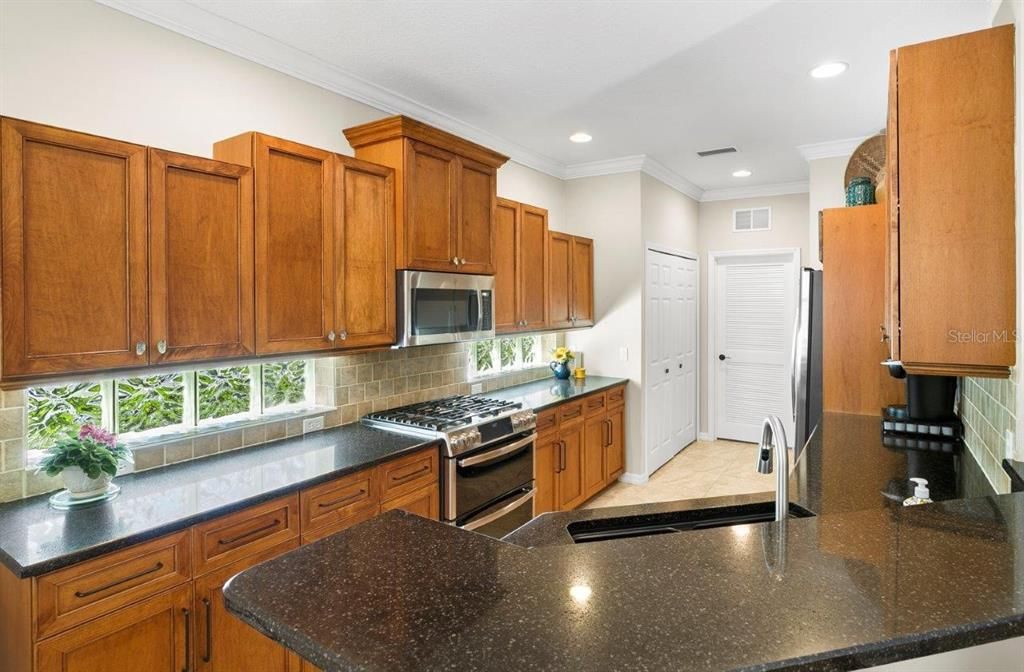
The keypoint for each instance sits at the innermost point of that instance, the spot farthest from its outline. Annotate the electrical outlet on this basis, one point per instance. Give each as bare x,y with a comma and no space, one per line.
312,424
624,354
477,388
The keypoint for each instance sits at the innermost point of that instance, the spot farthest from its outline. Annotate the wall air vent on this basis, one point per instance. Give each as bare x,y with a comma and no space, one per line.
752,219
720,150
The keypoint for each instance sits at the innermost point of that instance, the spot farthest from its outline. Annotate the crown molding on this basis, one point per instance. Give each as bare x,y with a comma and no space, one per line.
195,22
830,149
638,163
760,191
659,171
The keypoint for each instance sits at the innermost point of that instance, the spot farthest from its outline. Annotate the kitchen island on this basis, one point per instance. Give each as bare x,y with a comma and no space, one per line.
866,581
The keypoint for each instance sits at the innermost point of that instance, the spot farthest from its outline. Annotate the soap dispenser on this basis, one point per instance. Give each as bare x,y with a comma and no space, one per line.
921,494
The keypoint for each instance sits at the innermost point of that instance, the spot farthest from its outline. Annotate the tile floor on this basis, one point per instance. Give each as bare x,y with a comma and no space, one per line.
702,469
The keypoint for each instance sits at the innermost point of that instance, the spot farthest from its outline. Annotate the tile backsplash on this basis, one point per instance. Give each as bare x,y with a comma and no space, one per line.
347,387
988,410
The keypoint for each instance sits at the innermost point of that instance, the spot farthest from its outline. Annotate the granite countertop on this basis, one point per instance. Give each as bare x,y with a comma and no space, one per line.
35,538
866,582
1015,470
541,394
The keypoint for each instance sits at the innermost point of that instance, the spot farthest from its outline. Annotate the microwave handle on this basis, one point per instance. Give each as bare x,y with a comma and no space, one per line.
475,309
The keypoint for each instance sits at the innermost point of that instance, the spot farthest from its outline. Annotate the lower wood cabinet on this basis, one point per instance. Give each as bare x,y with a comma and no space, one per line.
615,449
153,635
571,491
546,461
424,502
595,441
224,643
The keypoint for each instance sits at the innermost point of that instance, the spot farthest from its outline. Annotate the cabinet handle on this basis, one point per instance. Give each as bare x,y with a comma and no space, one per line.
188,640
561,454
140,348
209,630
107,586
455,260
462,261
573,415
331,336
885,336
408,477
258,530
343,334
342,500
161,346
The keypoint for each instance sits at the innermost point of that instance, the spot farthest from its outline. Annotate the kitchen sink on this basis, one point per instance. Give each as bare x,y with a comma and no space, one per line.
606,529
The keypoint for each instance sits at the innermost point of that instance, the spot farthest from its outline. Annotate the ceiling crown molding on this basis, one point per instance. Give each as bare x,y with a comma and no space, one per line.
633,164
830,149
659,171
195,22
760,191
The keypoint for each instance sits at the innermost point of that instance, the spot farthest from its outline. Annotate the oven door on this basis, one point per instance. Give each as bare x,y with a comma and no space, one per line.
504,516
477,481
444,307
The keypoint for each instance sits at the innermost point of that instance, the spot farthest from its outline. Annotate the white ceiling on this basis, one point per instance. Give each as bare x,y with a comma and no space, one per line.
657,78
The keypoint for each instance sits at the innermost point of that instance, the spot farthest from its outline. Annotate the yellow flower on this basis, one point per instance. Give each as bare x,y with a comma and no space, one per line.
563,354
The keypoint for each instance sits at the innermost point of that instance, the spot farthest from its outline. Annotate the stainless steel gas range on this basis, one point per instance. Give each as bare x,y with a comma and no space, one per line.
487,463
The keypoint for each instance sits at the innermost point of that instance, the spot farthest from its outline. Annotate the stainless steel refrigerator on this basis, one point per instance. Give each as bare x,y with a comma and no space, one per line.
806,376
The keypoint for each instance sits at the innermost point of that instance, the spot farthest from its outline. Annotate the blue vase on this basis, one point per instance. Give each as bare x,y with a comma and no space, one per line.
560,369
860,192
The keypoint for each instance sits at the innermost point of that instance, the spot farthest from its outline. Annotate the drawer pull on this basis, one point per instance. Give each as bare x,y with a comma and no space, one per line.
188,639
410,476
250,533
343,500
155,568
574,414
209,630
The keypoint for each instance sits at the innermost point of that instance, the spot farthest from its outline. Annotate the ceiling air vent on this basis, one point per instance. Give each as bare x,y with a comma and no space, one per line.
752,219
720,150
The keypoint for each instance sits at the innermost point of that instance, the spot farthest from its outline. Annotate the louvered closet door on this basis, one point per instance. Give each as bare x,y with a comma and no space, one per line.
754,319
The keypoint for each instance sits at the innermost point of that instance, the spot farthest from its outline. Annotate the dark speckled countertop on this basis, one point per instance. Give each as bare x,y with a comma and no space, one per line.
541,394
866,582
1015,470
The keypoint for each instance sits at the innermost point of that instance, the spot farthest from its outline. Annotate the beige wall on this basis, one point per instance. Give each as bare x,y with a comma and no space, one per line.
827,190
526,185
789,229
668,217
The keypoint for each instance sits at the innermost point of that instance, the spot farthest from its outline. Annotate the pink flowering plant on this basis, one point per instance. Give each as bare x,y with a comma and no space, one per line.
94,450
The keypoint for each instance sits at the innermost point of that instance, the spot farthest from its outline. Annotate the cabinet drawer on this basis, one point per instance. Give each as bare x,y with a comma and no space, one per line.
570,412
617,397
425,502
409,473
92,588
359,516
237,535
547,419
339,499
595,404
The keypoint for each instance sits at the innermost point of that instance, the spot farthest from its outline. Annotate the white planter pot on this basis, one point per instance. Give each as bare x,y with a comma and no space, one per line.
80,486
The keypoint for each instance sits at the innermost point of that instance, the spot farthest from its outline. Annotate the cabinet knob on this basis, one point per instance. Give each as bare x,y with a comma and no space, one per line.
331,336
161,346
462,261
343,334
455,260
140,348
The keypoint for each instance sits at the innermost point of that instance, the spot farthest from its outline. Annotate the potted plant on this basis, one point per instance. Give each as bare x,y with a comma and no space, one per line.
560,366
87,462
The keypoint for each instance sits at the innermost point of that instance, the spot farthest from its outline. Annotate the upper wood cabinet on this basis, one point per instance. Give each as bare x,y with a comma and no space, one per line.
74,235
952,265
294,240
201,258
446,193
570,281
520,271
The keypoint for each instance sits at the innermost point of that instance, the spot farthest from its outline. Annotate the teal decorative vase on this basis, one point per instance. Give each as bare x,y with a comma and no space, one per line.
860,192
560,369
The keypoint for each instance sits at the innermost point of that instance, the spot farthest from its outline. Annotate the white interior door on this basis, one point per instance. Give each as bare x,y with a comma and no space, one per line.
755,307
670,356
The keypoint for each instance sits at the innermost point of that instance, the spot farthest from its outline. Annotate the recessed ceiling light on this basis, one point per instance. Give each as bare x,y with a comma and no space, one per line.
829,69
580,136
741,173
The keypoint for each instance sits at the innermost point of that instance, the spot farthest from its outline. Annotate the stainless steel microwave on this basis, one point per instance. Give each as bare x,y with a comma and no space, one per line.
444,307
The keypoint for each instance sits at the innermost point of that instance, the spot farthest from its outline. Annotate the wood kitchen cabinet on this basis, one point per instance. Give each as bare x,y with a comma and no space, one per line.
201,258
546,465
595,441
72,203
570,281
446,194
615,449
571,480
521,262
951,268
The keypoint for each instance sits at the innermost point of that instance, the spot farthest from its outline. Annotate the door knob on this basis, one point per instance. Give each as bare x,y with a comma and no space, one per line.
722,358
680,366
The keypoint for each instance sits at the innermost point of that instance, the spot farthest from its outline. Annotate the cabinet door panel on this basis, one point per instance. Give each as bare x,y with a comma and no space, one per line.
294,247
72,205
582,281
365,205
615,451
506,266
430,208
571,492
201,258
477,186
424,502
545,474
223,643
151,635
595,441
559,280
533,255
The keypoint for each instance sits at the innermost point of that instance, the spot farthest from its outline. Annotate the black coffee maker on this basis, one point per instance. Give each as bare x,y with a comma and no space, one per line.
928,420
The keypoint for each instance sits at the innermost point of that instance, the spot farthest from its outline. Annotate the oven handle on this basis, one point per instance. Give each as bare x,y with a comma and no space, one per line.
492,455
494,515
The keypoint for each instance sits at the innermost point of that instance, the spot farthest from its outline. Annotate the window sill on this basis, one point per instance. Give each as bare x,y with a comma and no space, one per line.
499,374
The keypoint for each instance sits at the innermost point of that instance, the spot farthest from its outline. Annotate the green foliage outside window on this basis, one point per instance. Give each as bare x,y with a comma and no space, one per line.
58,412
149,402
483,354
284,383
528,349
507,351
223,392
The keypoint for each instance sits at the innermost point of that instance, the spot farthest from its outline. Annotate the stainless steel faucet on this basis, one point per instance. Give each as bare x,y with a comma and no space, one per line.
773,438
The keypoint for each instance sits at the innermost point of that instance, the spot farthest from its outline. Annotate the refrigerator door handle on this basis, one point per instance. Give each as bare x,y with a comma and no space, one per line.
795,370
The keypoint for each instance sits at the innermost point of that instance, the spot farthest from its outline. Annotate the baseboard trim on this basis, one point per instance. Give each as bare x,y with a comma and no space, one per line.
704,436
633,479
